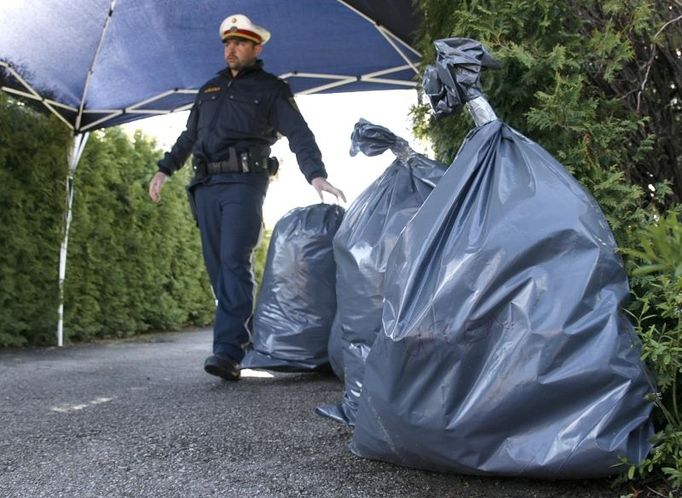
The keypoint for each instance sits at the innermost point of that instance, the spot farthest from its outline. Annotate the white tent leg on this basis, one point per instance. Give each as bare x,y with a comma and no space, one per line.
74,156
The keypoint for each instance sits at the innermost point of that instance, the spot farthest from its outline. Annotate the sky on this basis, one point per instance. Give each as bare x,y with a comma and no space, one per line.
331,117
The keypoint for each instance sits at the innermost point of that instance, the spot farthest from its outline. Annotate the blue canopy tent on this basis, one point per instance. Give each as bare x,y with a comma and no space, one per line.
100,63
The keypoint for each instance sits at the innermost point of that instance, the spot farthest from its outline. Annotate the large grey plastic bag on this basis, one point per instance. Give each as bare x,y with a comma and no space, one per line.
297,300
361,248
504,350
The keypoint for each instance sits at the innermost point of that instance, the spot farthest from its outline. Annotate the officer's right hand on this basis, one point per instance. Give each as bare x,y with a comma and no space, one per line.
156,185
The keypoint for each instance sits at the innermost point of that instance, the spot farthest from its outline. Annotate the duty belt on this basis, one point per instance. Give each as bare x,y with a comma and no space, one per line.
237,163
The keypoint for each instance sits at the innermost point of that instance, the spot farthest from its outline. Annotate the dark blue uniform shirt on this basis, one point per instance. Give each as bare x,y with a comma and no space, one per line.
244,112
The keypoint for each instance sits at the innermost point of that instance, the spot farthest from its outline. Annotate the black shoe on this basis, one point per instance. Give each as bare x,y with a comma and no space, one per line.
222,367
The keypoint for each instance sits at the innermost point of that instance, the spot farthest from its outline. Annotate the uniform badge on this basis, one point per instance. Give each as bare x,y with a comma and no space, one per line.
212,89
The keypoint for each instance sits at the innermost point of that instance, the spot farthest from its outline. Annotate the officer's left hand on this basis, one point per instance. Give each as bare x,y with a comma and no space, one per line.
321,184
156,185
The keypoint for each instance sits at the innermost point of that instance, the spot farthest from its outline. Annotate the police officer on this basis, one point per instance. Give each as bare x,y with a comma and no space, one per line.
235,119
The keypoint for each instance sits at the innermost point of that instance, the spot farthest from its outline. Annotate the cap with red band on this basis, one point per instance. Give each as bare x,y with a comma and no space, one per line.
240,26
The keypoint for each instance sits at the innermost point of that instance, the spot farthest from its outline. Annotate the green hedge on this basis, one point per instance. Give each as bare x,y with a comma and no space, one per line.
32,190
132,266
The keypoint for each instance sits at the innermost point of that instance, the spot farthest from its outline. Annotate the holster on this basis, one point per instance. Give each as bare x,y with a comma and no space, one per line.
273,166
252,160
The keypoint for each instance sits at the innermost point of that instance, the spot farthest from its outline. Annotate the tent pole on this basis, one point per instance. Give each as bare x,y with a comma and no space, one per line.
73,158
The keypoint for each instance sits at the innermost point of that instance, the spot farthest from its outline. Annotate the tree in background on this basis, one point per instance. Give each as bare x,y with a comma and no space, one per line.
132,267
607,75
32,173
597,83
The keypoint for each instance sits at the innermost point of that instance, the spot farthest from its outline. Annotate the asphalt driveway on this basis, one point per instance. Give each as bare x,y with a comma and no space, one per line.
141,418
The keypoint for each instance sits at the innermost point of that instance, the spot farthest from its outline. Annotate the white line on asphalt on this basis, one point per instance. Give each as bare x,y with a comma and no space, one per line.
67,408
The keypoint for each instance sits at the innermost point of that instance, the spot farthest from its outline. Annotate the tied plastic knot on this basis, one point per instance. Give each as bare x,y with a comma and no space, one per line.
455,78
480,110
372,140
402,150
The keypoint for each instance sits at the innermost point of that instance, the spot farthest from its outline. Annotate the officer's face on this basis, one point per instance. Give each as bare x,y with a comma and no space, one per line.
240,53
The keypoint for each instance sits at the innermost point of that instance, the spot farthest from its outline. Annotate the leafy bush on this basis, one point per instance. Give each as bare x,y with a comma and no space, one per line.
656,269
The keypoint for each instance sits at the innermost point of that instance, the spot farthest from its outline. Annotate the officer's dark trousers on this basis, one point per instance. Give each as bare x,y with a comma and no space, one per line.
230,215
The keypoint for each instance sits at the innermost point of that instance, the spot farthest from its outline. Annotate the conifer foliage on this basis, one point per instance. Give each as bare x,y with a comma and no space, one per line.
32,174
133,266
599,84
